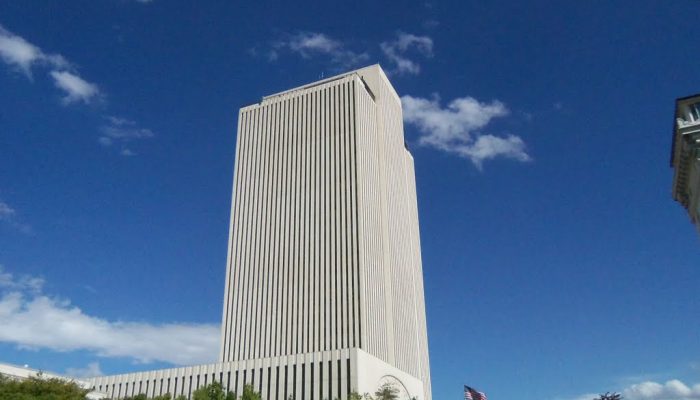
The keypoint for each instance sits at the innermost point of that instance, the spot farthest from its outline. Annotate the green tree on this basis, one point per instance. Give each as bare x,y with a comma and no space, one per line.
40,389
140,396
386,392
249,393
609,396
183,397
212,391
355,396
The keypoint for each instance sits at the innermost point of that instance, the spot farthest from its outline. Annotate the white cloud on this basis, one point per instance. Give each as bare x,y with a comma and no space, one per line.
307,42
6,211
121,131
8,215
456,128
92,370
16,51
24,283
673,389
396,51
34,320
76,88
310,44
587,396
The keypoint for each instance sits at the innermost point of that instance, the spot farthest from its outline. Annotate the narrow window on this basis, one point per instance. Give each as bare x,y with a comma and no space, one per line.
347,371
235,385
303,381
294,384
330,379
285,382
320,380
312,381
695,111
277,383
340,386
269,377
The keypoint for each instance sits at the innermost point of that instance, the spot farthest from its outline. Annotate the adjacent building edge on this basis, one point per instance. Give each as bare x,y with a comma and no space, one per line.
325,375
685,156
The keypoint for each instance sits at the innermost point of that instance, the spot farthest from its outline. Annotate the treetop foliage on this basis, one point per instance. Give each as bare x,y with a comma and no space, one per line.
38,388
609,396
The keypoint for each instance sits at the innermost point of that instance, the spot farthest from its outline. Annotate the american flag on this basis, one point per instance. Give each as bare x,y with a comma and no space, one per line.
473,394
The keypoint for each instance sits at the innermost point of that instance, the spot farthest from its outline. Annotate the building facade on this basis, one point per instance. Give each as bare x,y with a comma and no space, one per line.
685,156
324,284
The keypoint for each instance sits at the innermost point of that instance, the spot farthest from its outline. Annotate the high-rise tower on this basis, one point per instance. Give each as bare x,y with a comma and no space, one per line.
324,250
324,283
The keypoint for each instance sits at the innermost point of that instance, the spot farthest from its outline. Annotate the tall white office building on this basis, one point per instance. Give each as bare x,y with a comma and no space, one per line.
324,283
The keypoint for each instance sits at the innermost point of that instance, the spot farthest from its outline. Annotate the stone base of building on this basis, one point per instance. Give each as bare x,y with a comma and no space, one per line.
327,375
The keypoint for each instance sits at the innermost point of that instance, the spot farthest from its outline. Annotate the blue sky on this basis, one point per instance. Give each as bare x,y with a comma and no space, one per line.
556,263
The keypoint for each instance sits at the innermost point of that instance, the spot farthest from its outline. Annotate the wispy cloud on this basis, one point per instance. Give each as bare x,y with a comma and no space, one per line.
315,44
92,370
23,55
457,128
76,88
25,283
9,216
16,51
20,53
6,211
672,389
122,131
27,315
398,49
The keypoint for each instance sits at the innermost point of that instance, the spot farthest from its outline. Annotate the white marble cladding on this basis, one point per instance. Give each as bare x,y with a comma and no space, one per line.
324,247
301,376
320,376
